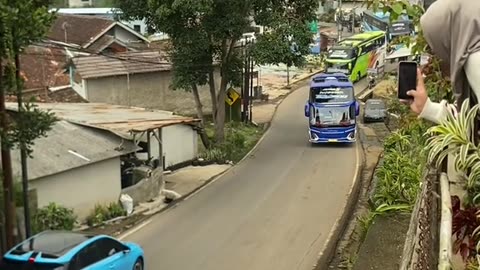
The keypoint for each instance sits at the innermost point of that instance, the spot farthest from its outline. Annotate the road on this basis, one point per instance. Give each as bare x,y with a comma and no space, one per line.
273,211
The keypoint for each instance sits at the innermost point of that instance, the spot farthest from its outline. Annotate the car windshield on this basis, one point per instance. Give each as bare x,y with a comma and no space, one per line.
333,116
331,94
375,106
17,265
341,53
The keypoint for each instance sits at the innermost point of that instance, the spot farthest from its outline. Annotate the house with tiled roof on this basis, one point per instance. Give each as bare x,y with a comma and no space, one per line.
94,34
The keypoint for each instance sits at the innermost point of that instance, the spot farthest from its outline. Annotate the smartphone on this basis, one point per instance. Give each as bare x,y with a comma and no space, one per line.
407,78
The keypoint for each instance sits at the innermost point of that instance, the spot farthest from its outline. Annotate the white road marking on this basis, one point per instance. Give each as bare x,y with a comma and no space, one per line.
134,230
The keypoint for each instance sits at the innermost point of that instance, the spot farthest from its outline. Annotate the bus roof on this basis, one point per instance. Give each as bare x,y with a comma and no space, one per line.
360,38
330,80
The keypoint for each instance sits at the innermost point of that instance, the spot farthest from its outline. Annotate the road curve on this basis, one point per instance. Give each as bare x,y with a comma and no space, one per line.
273,211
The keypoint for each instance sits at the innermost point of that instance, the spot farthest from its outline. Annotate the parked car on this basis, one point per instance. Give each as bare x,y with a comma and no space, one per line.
375,111
61,250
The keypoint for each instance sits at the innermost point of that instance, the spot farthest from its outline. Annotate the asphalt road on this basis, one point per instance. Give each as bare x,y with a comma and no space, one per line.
273,211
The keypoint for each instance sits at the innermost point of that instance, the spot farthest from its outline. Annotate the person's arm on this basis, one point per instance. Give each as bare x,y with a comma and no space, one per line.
437,112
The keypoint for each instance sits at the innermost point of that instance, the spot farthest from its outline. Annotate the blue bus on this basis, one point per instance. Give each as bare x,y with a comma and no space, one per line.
331,109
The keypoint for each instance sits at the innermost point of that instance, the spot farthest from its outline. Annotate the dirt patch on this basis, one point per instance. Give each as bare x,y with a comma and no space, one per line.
384,89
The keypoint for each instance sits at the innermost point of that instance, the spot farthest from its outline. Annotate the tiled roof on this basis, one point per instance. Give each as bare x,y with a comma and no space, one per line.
101,43
98,66
78,29
66,95
43,67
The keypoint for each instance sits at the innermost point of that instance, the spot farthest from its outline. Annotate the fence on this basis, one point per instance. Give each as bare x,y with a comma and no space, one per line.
421,245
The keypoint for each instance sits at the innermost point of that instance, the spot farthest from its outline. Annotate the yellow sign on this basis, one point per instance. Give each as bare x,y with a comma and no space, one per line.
232,96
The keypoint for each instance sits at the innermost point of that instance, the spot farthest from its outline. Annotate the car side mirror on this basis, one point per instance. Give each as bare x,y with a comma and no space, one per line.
126,250
307,110
357,108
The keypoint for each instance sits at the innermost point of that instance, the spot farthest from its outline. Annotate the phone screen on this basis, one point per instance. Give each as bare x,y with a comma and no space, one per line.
407,78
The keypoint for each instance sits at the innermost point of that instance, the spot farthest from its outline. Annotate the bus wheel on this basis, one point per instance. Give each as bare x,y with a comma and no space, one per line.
359,76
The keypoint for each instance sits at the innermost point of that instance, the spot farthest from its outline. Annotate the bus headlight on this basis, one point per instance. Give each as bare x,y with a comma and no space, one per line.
351,136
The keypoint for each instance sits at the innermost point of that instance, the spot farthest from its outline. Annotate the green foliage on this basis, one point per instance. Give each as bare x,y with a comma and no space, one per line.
239,139
18,194
53,217
455,137
102,213
22,23
205,33
401,172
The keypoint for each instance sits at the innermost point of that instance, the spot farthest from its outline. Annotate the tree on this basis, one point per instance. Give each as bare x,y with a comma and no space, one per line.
204,35
22,22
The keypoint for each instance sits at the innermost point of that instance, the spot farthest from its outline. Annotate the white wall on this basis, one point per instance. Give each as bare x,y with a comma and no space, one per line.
81,188
124,36
79,3
180,144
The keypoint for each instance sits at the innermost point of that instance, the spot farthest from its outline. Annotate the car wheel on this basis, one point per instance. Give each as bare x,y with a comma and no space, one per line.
138,264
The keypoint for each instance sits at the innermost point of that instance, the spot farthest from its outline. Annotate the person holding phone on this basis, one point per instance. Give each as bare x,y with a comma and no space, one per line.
452,30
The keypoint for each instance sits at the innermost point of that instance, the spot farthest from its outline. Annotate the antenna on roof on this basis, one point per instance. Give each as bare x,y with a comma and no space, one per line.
64,27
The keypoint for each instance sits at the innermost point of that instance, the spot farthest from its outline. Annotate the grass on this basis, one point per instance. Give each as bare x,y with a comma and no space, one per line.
240,138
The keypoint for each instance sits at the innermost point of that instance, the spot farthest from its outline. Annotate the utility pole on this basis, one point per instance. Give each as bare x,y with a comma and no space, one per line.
246,82
339,21
251,88
23,151
7,172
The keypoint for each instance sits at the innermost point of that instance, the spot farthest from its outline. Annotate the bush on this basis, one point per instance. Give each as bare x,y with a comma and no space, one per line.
53,217
102,213
404,162
239,139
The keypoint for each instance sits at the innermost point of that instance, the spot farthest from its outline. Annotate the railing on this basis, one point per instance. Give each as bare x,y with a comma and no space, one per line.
445,250
420,247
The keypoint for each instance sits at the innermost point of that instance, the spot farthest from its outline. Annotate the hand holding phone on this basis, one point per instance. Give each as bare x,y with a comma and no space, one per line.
407,79
411,88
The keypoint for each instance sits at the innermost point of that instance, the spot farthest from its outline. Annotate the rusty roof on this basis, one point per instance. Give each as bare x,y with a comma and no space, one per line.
121,120
43,66
97,66
78,29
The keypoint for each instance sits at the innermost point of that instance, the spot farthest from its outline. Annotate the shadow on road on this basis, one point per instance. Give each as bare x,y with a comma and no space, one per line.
331,145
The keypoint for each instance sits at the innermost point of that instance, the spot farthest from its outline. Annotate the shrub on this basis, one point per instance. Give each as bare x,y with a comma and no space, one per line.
53,217
404,162
102,213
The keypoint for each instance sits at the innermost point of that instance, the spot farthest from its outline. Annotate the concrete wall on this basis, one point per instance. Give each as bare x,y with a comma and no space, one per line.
81,188
149,90
180,144
79,3
146,189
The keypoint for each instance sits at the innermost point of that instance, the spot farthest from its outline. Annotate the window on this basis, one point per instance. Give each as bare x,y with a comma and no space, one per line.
108,247
137,28
85,257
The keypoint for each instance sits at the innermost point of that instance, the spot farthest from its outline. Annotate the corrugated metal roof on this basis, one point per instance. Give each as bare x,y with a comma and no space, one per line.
70,146
97,66
121,120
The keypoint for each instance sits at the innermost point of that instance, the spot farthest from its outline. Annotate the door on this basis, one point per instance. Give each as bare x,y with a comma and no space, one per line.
114,256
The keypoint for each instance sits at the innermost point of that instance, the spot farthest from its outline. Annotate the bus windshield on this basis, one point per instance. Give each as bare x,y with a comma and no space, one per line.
341,53
400,28
331,94
333,116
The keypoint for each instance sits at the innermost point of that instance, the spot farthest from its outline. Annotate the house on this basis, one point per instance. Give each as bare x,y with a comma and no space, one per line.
76,167
176,143
139,26
95,34
98,151
140,79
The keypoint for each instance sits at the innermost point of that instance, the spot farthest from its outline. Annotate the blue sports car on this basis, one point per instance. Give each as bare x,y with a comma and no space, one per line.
60,250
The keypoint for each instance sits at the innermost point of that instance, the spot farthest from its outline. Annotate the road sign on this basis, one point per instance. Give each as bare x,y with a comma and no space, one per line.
232,96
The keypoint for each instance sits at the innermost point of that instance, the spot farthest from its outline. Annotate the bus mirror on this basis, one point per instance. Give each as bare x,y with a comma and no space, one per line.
307,110
357,108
